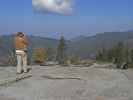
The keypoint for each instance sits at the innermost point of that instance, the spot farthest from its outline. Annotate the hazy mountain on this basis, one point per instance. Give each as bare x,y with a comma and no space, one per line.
89,45
78,38
130,30
34,42
81,46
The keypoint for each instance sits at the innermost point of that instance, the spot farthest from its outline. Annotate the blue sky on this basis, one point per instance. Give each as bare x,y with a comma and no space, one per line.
89,17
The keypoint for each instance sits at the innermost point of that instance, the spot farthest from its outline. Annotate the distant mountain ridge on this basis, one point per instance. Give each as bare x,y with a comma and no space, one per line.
34,41
90,45
78,38
130,30
82,46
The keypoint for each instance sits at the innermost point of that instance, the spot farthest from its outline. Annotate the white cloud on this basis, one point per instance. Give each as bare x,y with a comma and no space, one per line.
53,6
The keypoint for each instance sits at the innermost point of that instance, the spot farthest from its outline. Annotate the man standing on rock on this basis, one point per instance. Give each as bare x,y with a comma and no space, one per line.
21,44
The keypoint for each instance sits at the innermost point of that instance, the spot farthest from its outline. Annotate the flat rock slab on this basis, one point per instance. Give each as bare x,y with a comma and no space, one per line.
68,83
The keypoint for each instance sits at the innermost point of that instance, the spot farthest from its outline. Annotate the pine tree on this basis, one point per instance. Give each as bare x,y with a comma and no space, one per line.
102,54
61,51
0,41
119,54
50,54
131,56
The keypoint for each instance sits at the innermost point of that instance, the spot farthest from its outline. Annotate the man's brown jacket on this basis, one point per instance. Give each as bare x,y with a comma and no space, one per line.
21,43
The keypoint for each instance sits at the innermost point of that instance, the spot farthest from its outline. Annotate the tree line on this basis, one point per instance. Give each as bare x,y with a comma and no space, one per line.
40,55
120,54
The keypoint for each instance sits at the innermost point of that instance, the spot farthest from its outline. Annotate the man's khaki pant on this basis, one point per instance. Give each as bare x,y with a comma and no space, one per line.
21,61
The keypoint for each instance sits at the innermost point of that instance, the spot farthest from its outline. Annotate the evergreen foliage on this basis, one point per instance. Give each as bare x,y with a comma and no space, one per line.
120,54
61,51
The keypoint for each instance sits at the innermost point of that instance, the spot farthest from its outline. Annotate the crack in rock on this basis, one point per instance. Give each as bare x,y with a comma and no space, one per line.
61,78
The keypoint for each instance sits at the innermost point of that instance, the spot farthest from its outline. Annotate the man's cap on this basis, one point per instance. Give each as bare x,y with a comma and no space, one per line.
19,33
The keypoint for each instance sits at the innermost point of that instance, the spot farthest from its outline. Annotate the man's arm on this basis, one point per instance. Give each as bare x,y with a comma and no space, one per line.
25,40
